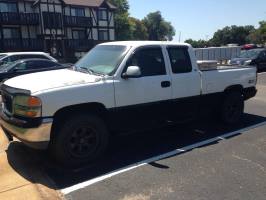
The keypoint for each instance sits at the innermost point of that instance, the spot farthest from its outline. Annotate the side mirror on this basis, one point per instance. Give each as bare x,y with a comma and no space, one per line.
132,72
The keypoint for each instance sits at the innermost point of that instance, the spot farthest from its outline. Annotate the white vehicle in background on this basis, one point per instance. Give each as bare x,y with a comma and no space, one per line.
118,87
9,57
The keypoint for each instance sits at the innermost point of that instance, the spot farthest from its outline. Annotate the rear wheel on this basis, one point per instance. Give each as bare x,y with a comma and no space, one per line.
232,108
81,139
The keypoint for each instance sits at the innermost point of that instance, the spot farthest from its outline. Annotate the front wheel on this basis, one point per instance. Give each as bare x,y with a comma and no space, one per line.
81,139
232,108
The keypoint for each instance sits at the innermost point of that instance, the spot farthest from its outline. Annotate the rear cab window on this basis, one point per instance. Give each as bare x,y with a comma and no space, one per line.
179,59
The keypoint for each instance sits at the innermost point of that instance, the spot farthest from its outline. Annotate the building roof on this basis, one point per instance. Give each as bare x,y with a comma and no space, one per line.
88,3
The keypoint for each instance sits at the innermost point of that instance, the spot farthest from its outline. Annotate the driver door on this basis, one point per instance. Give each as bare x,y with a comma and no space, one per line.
147,97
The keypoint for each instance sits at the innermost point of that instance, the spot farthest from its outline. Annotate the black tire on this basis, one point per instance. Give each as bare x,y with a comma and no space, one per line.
80,140
232,108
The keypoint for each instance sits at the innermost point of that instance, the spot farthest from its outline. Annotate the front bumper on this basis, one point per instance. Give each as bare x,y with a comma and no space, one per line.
37,137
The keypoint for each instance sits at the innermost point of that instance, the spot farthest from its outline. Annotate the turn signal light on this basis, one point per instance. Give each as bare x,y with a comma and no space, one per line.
34,102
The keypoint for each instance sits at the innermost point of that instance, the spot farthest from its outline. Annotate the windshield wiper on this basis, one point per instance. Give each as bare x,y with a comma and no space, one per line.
90,71
85,70
82,69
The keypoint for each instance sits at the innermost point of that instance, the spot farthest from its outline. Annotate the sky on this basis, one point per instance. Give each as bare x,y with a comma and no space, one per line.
200,19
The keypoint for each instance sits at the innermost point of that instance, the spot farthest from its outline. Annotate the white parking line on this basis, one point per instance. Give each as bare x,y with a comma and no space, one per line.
156,158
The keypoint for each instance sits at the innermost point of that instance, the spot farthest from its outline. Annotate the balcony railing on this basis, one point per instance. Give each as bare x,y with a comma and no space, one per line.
72,21
79,45
9,18
21,44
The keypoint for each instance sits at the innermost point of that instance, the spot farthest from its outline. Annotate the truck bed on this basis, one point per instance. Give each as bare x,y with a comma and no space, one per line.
218,79
207,65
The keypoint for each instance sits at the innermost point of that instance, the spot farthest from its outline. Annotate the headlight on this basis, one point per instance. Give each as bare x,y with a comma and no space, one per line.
248,62
27,106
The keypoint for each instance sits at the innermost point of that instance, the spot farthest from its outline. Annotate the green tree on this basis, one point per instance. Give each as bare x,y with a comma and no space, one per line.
255,37
232,34
258,36
122,21
158,28
138,29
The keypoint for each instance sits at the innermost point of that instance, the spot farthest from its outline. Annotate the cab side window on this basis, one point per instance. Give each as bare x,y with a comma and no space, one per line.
28,56
180,60
21,66
47,64
33,65
149,60
41,64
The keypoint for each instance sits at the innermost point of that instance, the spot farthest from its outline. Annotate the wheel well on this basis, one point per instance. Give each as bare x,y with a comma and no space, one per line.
65,113
238,88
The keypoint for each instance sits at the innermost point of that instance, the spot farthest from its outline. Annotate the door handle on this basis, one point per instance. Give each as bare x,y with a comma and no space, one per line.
165,84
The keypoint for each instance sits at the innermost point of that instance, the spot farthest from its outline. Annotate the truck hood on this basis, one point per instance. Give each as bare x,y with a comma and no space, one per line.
41,81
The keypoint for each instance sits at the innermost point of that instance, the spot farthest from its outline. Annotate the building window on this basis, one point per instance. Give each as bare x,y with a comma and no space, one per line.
79,34
102,14
11,33
103,35
78,12
8,7
52,20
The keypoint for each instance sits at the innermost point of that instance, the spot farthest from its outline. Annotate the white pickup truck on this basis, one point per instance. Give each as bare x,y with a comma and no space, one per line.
118,86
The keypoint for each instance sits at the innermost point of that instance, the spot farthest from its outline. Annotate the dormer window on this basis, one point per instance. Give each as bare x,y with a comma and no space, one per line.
102,14
78,12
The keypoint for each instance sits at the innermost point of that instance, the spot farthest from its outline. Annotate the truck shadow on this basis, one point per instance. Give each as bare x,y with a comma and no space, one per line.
123,151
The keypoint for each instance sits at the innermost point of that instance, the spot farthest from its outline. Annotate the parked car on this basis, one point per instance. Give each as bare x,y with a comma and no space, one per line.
118,87
27,66
255,57
7,58
249,46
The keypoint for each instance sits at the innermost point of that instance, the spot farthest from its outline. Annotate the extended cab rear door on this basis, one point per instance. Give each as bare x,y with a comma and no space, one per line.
186,80
148,95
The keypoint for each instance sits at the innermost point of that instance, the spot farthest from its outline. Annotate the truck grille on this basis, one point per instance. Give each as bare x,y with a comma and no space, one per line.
7,100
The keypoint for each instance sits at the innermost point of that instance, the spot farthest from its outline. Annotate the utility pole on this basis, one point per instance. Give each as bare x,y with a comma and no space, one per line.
180,36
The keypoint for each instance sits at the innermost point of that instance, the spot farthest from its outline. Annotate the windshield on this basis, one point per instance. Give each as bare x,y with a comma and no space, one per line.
102,59
250,53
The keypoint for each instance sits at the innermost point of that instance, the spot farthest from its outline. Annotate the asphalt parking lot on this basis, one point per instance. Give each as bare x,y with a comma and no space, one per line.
199,160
